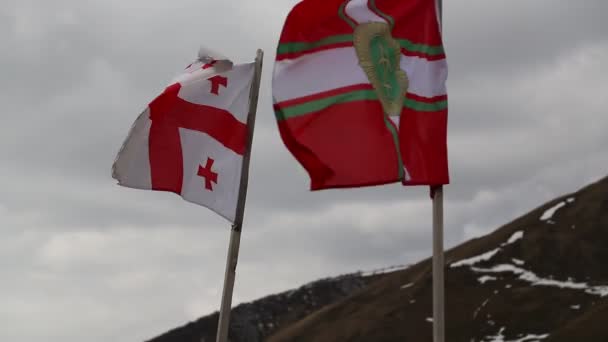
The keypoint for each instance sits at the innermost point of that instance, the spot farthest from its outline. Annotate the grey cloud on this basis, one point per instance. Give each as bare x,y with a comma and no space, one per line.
516,36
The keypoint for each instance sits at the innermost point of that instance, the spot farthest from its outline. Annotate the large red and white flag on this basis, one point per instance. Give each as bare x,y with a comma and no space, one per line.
359,91
191,139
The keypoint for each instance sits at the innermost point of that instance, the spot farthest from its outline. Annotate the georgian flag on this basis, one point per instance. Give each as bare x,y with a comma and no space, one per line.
191,139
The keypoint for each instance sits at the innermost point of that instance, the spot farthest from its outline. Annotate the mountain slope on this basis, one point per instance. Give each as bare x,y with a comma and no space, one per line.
541,277
254,322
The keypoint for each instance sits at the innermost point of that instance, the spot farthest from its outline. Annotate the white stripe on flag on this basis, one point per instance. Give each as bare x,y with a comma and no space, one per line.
427,78
232,94
221,193
195,71
316,73
337,68
132,165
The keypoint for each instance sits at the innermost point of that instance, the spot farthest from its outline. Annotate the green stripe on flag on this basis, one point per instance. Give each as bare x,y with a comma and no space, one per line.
344,17
313,106
424,106
384,16
303,47
429,50
395,134
318,105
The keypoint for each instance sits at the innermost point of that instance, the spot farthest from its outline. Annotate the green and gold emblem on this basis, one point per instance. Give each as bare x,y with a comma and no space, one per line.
379,55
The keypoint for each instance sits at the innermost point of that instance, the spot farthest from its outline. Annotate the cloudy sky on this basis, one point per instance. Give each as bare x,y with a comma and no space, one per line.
82,259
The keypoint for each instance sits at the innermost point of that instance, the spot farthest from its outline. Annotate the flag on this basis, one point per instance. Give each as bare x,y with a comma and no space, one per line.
191,139
359,92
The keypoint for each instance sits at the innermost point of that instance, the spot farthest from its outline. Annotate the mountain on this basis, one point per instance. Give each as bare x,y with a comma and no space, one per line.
541,277
256,321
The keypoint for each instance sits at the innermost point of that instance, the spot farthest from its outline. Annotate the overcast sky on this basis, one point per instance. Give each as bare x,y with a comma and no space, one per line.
82,259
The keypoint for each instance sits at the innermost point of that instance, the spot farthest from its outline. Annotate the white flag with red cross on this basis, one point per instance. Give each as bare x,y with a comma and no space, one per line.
192,138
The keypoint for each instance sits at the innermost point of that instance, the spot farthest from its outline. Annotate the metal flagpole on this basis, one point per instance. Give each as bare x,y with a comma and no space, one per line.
235,234
438,252
438,267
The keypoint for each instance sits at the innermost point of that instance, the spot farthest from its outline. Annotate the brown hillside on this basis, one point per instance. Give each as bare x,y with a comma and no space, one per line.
539,280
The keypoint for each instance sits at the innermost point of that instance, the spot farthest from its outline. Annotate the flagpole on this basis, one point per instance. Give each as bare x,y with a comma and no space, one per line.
235,233
438,267
438,249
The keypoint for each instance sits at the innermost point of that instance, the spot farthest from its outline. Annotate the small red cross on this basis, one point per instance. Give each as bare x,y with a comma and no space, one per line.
216,82
205,66
209,65
208,174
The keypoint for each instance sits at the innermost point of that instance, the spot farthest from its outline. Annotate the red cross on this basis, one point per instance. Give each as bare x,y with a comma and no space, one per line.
207,173
205,66
168,113
209,65
216,82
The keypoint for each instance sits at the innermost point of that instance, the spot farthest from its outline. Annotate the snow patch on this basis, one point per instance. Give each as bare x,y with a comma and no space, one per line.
551,211
532,338
517,261
472,261
490,254
530,277
570,200
601,291
486,279
384,270
480,307
407,285
516,236
500,337
429,319
575,307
